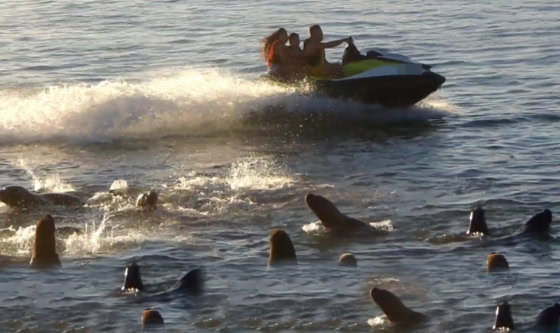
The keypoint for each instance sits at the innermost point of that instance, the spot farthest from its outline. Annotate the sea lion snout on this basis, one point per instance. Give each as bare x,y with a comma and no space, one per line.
44,248
496,262
394,308
281,248
132,278
151,318
147,200
504,319
478,222
347,259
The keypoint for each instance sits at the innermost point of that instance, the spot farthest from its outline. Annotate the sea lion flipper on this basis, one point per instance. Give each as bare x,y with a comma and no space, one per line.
192,281
539,223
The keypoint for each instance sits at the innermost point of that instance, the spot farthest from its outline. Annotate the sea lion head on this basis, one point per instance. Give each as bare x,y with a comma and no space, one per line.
147,200
394,308
496,262
347,259
478,222
281,248
44,248
192,281
16,196
540,223
132,278
151,318
548,318
325,210
504,320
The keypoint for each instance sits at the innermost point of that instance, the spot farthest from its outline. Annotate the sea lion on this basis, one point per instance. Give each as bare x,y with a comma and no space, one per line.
548,318
330,216
478,222
132,278
44,248
191,282
539,224
347,259
281,248
504,320
151,318
496,262
394,308
19,197
147,200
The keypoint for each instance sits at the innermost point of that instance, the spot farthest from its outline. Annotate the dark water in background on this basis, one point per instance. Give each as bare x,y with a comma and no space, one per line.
165,95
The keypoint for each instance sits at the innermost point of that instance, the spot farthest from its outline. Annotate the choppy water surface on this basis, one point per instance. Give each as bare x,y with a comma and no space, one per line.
165,95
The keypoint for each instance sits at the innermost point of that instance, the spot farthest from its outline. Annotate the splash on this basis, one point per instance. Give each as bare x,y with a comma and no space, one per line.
386,225
250,173
378,321
91,240
258,174
20,241
45,183
192,102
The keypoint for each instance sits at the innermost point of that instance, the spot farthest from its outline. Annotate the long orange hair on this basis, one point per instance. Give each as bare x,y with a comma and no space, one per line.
268,41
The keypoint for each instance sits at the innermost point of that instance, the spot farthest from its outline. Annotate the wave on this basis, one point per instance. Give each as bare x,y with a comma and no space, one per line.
192,102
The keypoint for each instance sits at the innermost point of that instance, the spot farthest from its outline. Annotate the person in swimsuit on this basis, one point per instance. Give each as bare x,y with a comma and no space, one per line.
314,53
276,53
299,65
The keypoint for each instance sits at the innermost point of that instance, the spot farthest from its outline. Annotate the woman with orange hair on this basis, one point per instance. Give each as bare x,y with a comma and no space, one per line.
276,53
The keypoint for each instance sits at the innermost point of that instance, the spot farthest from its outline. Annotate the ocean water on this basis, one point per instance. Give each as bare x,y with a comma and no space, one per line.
167,95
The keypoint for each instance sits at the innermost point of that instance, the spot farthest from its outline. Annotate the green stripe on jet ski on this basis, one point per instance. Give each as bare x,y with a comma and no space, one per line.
358,67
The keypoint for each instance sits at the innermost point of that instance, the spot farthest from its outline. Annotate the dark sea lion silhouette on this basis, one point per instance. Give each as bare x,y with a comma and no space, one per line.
281,248
478,222
496,262
548,318
191,282
151,319
539,224
394,308
44,247
546,321
132,278
19,197
504,319
330,216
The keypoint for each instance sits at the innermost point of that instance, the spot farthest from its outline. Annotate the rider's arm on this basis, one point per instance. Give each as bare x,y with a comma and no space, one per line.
335,43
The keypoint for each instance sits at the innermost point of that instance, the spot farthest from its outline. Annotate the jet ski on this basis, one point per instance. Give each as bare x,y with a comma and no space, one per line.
388,79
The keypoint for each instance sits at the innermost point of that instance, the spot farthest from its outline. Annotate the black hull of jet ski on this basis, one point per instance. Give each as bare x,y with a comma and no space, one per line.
389,91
